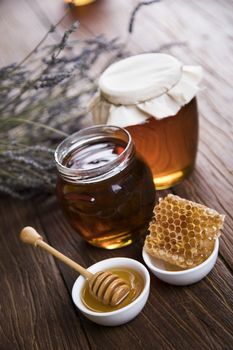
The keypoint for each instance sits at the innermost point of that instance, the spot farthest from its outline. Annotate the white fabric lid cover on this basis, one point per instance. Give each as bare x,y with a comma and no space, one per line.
138,87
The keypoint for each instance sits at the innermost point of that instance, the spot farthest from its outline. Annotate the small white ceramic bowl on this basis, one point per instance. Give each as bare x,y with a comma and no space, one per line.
125,314
184,277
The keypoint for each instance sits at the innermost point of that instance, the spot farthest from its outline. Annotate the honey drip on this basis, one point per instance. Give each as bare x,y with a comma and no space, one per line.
132,277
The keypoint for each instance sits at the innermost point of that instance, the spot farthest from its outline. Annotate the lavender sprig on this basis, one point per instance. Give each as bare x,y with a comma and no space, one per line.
136,9
44,101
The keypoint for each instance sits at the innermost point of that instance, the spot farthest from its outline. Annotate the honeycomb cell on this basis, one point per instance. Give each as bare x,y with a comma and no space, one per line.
170,215
189,220
166,233
192,234
189,262
196,222
192,242
182,232
175,257
172,235
198,236
190,226
177,222
188,254
167,246
183,224
171,227
180,260
187,246
165,224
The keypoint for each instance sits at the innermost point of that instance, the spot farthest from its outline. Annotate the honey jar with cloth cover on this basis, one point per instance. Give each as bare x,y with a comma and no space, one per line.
153,96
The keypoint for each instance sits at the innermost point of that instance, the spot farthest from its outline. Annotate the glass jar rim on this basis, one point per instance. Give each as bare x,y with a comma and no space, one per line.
82,137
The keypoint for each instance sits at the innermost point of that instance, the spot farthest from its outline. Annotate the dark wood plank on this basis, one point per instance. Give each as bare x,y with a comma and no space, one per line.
174,317
36,311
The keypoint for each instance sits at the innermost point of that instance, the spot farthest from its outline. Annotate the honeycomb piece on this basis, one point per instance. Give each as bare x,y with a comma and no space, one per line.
182,232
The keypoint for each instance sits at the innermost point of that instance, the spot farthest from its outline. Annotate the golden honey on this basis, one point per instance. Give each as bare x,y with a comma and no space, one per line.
105,189
130,276
182,232
169,145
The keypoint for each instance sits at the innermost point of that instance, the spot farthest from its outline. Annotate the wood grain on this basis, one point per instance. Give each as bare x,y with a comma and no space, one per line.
36,309
173,315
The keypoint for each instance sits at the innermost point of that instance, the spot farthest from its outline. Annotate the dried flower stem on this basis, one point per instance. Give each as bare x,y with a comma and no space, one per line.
51,30
44,101
136,9
37,124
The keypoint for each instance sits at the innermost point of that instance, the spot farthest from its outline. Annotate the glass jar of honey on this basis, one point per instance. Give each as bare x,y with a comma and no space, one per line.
153,97
105,189
169,145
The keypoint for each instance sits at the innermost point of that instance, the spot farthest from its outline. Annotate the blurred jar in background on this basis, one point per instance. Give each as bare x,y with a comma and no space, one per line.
79,2
153,97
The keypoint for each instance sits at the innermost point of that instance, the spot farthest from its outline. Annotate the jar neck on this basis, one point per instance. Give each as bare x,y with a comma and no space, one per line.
88,136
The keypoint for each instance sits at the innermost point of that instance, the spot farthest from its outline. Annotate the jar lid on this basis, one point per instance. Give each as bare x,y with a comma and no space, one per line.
139,78
138,87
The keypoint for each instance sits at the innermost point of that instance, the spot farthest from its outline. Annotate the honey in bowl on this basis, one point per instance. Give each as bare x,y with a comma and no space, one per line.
130,276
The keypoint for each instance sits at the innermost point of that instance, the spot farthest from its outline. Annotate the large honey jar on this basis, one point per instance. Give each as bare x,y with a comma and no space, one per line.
105,189
153,96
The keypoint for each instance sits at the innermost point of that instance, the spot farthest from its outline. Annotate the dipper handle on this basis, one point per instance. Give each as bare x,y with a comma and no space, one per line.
30,236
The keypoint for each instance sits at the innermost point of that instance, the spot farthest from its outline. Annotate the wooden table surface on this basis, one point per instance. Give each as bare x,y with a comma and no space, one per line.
36,307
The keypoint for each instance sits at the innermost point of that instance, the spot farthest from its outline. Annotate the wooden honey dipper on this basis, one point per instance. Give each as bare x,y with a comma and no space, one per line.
105,286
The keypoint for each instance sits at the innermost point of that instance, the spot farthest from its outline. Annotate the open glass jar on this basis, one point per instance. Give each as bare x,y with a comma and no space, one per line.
153,97
105,189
